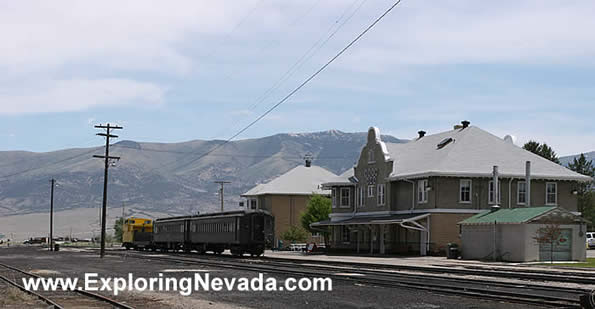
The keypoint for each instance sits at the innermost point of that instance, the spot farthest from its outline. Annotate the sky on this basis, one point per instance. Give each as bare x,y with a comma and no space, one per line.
186,70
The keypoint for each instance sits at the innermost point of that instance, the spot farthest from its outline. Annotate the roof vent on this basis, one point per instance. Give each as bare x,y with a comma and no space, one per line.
421,133
494,208
308,158
444,142
465,123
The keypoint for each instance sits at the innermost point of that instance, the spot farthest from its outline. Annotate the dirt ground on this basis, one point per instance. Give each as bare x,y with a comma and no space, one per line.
345,294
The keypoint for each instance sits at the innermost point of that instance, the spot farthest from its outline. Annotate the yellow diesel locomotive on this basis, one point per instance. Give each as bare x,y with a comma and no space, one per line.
137,233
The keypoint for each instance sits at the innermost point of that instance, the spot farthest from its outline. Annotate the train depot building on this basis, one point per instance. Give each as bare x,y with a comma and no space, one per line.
287,196
512,235
409,198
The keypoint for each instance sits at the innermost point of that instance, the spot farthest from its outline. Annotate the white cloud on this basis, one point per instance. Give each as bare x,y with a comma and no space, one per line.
74,95
447,32
123,35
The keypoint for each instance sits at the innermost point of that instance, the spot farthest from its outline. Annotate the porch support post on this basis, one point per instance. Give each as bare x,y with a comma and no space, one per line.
381,230
358,239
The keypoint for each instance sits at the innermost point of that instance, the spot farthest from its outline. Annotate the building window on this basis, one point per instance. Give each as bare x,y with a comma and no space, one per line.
370,191
422,193
491,193
371,158
465,191
253,204
362,196
334,197
380,199
551,190
345,233
345,197
521,193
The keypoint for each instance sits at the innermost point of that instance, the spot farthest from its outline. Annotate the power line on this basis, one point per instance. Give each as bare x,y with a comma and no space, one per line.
228,35
47,165
301,85
313,50
297,157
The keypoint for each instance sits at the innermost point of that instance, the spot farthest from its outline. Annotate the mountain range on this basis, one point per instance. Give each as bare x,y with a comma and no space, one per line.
568,159
166,177
169,177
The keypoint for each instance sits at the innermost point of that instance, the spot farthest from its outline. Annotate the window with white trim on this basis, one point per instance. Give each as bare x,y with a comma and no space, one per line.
491,192
551,193
380,198
521,193
370,191
422,192
334,197
371,158
345,197
253,203
465,191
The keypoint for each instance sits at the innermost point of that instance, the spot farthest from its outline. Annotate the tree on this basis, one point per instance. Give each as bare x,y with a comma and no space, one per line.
318,209
294,234
542,150
549,235
586,202
118,229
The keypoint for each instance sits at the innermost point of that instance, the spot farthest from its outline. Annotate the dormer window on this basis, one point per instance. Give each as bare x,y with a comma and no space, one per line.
371,158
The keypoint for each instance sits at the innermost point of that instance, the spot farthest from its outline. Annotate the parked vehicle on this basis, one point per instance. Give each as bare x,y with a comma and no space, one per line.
590,240
35,240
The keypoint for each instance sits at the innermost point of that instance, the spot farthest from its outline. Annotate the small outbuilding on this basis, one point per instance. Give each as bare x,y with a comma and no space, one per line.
524,235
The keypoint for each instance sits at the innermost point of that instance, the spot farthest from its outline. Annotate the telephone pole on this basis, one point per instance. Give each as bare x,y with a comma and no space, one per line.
107,158
221,191
51,240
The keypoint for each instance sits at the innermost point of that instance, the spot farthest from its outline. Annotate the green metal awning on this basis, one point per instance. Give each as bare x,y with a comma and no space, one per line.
508,215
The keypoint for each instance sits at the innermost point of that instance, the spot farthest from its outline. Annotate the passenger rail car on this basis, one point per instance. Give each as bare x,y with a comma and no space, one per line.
239,231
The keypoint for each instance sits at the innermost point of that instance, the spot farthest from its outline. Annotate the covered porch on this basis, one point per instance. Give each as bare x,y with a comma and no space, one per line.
382,234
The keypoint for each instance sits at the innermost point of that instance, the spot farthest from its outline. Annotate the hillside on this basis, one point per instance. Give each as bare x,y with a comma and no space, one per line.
165,177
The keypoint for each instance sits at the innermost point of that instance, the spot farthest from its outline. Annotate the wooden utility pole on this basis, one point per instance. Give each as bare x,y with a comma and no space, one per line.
107,158
51,240
221,191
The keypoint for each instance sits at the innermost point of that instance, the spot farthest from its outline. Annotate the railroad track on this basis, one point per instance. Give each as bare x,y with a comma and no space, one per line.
516,273
500,291
60,298
525,274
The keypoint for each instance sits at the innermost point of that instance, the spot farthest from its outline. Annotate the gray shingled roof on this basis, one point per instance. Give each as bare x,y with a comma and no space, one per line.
472,153
299,181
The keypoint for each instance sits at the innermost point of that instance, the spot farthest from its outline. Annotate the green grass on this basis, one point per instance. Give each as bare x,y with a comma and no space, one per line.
589,263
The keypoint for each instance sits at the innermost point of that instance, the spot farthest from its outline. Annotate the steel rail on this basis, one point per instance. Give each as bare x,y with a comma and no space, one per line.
449,288
22,288
567,277
579,278
100,297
